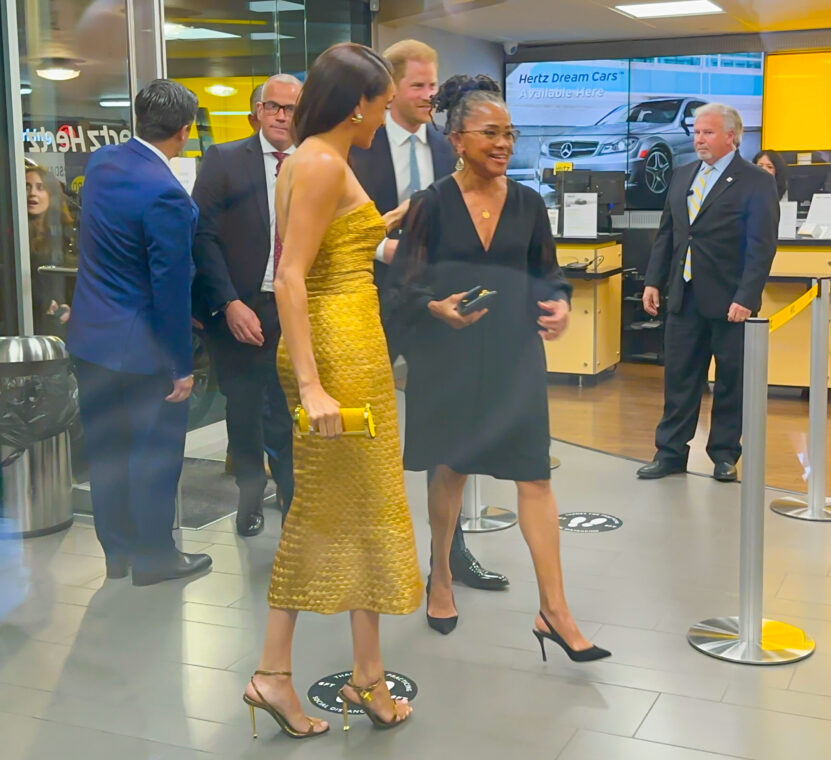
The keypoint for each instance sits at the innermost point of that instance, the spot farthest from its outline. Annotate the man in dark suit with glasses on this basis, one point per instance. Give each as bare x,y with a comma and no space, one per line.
236,251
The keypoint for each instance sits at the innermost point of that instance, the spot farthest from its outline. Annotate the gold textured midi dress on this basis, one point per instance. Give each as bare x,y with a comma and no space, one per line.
348,542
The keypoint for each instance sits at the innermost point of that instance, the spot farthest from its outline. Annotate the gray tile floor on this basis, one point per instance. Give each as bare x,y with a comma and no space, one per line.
93,669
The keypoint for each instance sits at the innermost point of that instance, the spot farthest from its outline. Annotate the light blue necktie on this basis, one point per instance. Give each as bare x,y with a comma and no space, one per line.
415,179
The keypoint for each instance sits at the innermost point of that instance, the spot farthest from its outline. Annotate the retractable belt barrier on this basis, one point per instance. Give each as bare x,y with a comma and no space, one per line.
816,507
749,638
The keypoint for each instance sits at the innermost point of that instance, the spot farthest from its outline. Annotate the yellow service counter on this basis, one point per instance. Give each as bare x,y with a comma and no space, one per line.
592,342
796,263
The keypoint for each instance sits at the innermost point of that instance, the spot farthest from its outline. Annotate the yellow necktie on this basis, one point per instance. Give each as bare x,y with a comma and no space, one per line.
694,201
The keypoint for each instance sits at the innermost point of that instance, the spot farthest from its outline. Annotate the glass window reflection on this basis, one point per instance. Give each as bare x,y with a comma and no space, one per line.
75,97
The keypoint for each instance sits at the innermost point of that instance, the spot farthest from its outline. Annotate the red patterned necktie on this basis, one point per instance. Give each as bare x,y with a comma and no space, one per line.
278,244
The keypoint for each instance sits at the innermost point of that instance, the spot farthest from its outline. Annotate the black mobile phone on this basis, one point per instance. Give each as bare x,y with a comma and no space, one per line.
475,299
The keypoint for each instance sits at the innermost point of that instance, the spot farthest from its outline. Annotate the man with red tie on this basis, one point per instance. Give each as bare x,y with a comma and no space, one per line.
236,251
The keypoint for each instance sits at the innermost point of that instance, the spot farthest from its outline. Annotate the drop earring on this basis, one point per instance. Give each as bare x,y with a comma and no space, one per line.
357,118
460,164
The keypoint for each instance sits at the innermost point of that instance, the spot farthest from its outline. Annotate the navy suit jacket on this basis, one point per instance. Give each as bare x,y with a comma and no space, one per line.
374,170
733,239
131,308
233,235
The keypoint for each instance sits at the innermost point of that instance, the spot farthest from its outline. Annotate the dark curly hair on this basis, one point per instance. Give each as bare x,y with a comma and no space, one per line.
460,93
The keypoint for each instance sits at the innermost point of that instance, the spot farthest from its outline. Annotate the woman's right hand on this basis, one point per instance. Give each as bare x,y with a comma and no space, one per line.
446,311
394,218
322,410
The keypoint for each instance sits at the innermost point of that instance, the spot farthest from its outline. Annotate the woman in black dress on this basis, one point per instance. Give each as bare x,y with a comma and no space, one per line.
476,386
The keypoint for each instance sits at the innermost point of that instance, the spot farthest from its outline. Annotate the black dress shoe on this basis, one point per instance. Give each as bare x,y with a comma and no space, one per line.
725,472
179,565
466,568
659,468
250,524
118,566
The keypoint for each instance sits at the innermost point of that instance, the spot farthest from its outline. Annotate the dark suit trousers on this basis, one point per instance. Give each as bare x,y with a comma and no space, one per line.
135,443
690,342
256,413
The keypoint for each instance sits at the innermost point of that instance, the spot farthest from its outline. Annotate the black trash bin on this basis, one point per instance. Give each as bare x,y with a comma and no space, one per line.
38,403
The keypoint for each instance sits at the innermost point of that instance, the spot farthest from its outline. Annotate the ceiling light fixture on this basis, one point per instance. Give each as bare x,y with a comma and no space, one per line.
221,90
190,33
25,89
670,9
58,69
114,103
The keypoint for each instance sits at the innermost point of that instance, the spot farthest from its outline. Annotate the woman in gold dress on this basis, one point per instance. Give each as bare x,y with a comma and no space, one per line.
348,542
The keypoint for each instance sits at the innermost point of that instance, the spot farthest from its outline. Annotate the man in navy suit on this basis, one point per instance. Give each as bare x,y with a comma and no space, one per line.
130,337
712,254
235,251
407,155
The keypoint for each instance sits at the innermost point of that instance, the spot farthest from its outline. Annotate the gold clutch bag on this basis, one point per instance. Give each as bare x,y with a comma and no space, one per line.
356,421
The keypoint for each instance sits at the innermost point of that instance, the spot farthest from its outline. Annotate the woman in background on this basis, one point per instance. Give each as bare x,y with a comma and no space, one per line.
774,164
50,243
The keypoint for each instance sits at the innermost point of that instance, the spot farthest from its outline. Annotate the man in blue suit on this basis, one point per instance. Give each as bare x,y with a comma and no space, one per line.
129,336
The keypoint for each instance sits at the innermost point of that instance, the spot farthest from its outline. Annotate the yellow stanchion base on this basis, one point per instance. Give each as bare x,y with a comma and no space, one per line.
781,642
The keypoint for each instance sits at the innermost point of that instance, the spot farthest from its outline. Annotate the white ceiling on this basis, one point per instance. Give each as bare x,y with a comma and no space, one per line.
558,21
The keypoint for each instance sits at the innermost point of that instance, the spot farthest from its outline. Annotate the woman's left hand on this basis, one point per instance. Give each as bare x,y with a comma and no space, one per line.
553,323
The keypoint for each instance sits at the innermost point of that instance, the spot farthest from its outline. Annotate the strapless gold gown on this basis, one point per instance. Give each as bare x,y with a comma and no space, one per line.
348,540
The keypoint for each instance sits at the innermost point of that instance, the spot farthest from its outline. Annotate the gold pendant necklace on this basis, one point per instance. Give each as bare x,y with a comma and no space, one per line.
486,214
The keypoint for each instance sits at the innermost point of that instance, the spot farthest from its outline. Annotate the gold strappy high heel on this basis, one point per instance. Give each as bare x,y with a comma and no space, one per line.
263,704
365,696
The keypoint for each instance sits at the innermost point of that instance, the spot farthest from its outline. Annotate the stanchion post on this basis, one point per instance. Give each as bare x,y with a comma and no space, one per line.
754,428
816,507
818,403
482,519
742,639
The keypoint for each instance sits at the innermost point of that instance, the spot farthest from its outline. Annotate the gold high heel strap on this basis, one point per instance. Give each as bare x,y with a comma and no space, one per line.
312,721
365,692
366,696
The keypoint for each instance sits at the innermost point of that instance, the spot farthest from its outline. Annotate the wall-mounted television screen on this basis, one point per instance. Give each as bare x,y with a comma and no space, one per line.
632,115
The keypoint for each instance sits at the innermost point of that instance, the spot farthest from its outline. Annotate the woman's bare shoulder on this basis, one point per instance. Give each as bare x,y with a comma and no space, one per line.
317,163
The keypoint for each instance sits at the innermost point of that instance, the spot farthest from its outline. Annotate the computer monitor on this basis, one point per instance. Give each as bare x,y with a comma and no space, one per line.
611,192
802,189
579,181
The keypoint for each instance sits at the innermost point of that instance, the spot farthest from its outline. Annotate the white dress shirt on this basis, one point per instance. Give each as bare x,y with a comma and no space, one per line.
712,177
270,162
155,150
399,139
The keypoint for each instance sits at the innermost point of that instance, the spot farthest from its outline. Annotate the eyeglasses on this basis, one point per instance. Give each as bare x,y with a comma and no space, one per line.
271,107
511,135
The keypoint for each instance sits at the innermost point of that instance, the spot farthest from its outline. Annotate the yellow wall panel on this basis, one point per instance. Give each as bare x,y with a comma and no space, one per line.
224,126
797,106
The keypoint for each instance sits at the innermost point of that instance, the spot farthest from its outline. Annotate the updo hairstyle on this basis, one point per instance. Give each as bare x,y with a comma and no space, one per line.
461,93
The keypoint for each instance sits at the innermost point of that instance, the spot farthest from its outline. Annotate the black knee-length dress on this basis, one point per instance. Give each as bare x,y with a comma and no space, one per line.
476,397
